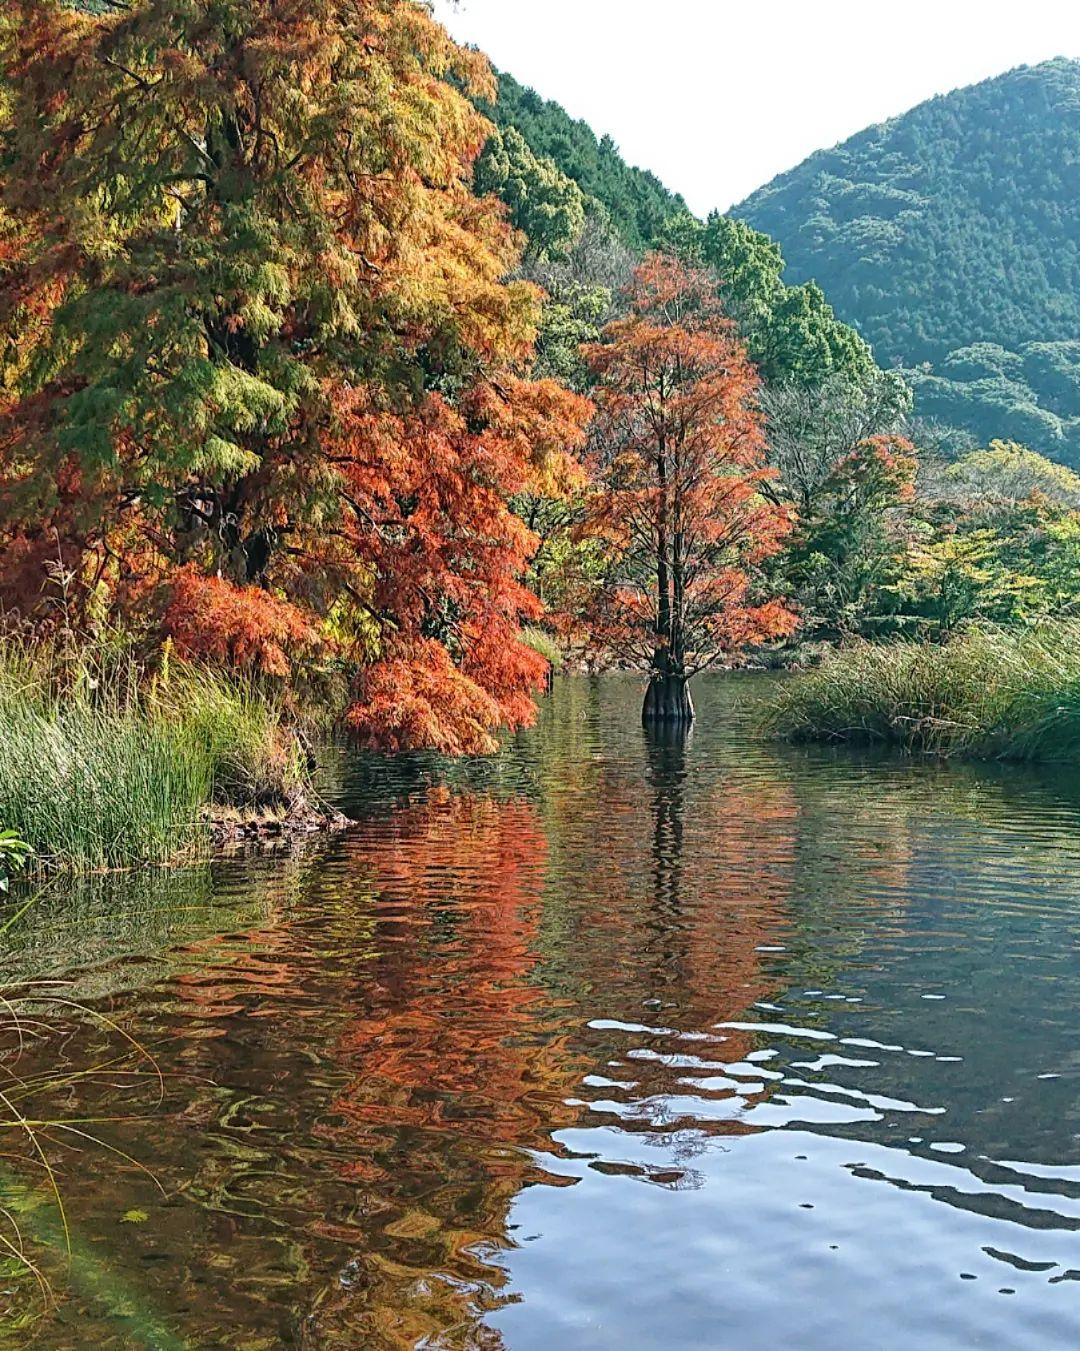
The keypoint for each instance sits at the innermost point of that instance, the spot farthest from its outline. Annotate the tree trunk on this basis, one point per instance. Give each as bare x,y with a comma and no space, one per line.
667,700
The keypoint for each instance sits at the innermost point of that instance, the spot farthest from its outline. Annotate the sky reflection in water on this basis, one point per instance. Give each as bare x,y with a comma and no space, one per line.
604,1043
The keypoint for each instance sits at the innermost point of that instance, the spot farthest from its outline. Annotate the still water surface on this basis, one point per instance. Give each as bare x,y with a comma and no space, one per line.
604,1043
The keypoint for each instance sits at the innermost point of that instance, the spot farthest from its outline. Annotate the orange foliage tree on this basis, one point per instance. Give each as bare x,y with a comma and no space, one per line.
679,499
254,329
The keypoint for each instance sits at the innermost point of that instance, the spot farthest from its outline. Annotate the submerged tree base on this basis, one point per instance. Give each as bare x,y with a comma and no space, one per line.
987,694
667,700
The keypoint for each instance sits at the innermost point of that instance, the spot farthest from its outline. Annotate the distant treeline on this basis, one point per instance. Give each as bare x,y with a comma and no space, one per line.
637,201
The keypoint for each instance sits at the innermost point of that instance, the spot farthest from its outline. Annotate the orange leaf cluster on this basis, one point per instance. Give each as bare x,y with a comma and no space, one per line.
679,499
246,628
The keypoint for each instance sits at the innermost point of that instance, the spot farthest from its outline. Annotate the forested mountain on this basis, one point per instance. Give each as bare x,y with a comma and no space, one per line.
637,201
950,236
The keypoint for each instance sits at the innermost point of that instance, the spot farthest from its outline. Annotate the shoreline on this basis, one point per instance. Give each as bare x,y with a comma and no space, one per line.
987,694
233,829
226,832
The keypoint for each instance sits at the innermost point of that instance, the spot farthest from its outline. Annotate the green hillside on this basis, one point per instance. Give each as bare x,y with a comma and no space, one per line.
950,237
637,201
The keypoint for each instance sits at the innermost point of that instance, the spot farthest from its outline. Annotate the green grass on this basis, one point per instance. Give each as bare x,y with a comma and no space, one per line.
545,643
100,768
990,694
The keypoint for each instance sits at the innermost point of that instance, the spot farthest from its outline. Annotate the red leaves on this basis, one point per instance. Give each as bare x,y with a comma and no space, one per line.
538,425
508,669
421,700
879,472
680,499
240,243
245,628
438,551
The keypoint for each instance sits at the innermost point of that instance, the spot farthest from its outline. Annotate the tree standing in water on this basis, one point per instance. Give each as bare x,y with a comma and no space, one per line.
678,498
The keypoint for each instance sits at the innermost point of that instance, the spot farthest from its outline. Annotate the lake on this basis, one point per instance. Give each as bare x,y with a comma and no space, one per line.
606,1042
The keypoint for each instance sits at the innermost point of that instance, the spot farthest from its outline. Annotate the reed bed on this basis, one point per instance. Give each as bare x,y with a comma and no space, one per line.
101,767
988,693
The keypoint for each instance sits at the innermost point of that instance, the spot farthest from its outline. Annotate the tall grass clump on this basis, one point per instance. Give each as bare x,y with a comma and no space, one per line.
102,768
988,693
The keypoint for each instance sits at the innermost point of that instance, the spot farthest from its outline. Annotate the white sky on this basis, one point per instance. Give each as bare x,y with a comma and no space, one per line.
718,96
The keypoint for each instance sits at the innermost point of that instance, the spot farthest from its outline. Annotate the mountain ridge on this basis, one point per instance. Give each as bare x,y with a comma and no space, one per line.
949,236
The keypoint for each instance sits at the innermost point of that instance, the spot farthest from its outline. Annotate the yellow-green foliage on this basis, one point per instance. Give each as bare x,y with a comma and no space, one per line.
543,642
1008,471
956,576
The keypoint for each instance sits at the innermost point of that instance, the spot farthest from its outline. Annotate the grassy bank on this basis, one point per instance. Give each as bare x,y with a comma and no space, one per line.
102,767
989,694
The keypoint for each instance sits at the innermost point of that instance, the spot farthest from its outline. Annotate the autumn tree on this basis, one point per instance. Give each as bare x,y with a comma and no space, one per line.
583,292
255,330
679,497
1006,472
811,430
998,539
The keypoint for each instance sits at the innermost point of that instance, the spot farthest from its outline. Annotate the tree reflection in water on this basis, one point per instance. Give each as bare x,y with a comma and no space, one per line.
408,1076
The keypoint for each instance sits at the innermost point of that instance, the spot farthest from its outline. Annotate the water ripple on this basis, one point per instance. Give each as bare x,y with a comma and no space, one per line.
603,1043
